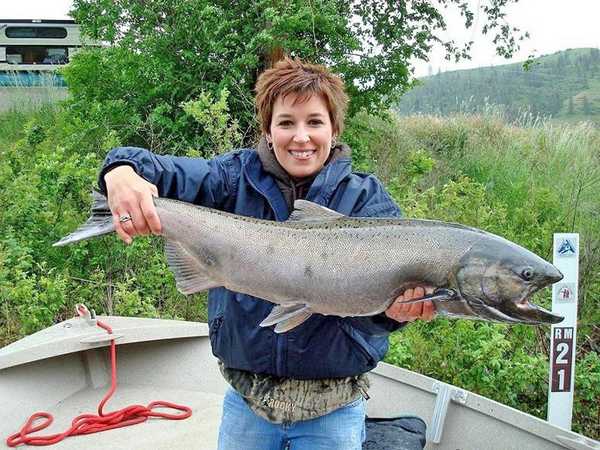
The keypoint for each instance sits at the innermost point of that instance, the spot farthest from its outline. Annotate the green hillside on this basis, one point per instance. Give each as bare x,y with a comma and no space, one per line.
564,85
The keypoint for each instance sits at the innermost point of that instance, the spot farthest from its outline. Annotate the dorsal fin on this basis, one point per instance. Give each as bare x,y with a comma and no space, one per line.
305,211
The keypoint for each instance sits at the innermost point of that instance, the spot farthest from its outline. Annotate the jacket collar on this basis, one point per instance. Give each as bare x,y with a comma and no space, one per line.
321,190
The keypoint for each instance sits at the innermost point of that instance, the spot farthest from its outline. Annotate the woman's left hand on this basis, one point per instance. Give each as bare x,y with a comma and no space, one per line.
408,313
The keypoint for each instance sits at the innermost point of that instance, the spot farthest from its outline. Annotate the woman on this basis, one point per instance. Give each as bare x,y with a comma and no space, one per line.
304,388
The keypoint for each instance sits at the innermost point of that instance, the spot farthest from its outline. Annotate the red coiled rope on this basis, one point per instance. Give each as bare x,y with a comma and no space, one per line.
91,423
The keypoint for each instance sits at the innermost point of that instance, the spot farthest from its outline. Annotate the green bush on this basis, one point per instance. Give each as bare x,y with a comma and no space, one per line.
47,170
220,130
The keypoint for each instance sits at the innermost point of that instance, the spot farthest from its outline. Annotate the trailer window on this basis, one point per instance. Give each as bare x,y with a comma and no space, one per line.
35,54
36,32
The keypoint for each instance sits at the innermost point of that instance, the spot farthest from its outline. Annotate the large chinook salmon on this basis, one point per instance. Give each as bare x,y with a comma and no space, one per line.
322,262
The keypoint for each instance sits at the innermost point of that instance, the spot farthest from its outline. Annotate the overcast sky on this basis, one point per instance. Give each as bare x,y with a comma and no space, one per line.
553,25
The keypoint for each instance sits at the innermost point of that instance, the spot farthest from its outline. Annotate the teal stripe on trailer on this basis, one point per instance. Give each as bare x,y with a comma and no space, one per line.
30,79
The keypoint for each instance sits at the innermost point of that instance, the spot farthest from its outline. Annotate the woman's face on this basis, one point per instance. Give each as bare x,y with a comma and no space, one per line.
301,134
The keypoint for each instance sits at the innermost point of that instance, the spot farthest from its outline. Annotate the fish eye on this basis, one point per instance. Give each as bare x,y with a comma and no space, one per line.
527,273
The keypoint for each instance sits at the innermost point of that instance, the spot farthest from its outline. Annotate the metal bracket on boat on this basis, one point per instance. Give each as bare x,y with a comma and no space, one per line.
89,316
445,393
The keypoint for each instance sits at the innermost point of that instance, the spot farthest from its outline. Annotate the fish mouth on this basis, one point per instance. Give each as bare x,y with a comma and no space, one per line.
491,313
520,311
531,313
527,311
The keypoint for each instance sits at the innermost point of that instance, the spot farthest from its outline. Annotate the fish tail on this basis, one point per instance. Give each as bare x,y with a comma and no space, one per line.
99,223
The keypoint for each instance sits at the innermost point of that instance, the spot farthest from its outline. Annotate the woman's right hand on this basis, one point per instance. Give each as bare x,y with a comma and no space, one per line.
129,194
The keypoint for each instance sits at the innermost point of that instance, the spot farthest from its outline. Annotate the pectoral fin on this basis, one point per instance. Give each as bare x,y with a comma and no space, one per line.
190,275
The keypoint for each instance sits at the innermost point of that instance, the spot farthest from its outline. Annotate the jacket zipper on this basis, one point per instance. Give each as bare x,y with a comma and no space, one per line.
281,354
263,194
280,339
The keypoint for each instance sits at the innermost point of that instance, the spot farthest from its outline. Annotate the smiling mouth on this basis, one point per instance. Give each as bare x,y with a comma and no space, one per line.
302,154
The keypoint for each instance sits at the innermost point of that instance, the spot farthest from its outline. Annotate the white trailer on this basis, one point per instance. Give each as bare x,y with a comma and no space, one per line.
37,45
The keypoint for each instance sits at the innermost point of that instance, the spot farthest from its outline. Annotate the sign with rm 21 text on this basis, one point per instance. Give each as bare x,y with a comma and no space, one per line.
563,335
562,359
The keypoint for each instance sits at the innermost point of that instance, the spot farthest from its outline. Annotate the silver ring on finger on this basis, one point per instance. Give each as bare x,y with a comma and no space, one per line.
125,218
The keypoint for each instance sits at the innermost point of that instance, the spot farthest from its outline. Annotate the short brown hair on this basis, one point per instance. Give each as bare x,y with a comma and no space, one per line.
292,76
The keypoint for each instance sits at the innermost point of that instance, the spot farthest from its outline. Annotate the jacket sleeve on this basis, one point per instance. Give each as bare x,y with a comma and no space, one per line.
374,201
194,180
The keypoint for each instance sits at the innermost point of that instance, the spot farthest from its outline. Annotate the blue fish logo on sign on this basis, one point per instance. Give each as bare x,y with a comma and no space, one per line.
566,248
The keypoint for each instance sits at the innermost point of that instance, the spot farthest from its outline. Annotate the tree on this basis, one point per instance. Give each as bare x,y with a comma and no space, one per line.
555,103
586,106
571,109
179,48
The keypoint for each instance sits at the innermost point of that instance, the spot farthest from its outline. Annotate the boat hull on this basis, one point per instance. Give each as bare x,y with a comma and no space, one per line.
65,371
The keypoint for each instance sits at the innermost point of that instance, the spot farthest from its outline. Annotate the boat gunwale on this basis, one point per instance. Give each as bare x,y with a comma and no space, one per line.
485,406
128,330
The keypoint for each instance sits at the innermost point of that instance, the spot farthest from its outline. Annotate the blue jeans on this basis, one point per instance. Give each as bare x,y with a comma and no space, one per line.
242,429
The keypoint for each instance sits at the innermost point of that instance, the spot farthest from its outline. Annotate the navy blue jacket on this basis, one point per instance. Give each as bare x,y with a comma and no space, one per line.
323,346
